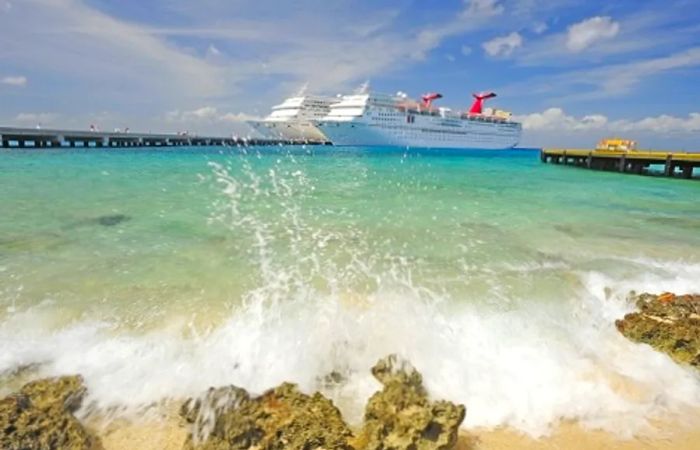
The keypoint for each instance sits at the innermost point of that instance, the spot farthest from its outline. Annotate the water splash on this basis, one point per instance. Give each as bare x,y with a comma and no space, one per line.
328,297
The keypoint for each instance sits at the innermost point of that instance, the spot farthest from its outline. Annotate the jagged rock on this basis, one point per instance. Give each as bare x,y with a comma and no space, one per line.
667,322
282,418
400,416
39,416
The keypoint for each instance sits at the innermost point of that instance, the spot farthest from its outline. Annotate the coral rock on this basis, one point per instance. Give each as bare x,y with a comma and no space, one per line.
401,417
40,417
281,418
667,322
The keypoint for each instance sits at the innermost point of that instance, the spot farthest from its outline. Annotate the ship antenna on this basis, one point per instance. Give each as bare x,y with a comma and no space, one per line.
364,88
302,91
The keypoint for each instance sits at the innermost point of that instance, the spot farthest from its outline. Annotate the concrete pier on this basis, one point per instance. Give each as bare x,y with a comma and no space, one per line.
47,138
638,162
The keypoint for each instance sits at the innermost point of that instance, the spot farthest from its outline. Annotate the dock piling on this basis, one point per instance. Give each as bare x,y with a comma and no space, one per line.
687,171
668,166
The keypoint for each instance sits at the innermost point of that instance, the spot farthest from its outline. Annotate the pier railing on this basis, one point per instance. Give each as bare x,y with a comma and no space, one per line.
53,138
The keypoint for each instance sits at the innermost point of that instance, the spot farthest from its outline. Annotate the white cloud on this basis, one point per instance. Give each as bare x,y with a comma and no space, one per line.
555,119
482,8
621,78
155,65
503,45
238,117
210,120
450,58
212,51
5,6
466,50
208,114
35,118
19,81
473,16
603,82
663,124
540,27
116,57
584,34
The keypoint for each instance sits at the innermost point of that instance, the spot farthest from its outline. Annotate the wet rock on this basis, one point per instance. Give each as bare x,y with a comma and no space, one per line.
281,418
401,417
667,322
39,416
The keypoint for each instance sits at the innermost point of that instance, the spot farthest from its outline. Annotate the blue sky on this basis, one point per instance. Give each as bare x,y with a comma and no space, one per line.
572,70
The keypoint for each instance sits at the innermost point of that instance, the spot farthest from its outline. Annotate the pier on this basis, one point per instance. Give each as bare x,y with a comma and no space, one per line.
632,161
47,138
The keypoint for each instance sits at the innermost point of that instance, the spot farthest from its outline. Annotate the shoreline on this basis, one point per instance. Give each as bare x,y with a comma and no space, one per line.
227,413
170,434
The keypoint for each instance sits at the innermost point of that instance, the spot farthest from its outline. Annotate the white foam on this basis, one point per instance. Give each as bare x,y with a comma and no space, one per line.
526,368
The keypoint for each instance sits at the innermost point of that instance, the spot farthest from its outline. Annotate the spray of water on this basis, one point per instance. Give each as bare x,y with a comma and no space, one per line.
326,301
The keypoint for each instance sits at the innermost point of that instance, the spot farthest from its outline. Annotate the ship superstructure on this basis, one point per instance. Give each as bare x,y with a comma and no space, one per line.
375,119
294,118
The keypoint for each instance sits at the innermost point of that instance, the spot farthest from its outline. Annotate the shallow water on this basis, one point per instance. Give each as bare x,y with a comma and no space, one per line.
159,273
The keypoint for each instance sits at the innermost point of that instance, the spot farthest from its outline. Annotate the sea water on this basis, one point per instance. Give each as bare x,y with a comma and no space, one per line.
156,274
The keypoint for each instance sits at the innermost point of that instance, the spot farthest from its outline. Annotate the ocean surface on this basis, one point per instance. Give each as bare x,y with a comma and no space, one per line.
156,274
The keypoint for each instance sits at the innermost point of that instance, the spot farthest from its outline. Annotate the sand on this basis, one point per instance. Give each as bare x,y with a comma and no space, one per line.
170,435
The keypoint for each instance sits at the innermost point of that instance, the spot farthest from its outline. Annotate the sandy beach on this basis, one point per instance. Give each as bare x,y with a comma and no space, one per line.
170,435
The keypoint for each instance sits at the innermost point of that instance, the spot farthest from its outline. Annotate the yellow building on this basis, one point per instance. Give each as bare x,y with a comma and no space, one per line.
617,144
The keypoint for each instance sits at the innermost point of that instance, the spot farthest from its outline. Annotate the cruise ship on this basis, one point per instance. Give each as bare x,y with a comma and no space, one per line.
374,119
293,119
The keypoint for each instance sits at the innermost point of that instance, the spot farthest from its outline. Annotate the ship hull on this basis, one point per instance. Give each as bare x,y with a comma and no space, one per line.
301,131
469,135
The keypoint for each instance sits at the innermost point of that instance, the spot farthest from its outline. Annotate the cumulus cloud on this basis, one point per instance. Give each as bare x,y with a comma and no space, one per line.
584,34
663,124
466,50
19,81
555,119
209,114
503,45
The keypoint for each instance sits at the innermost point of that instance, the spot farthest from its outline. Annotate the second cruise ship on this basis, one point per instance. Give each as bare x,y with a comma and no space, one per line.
373,119
292,120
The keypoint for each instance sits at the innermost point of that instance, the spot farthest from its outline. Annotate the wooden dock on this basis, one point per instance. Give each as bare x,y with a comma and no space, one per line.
47,138
632,161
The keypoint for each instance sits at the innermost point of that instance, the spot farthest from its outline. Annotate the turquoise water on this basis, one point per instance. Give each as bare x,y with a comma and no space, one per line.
160,273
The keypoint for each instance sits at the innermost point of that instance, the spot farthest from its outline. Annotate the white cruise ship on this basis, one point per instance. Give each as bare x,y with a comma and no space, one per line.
293,119
372,119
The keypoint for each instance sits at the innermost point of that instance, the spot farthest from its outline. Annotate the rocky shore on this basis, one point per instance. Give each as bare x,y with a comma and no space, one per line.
670,323
400,416
40,416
